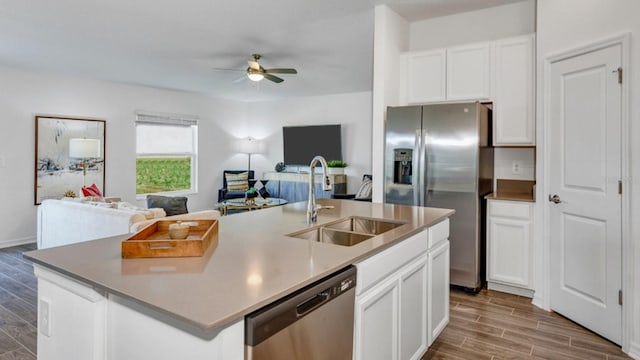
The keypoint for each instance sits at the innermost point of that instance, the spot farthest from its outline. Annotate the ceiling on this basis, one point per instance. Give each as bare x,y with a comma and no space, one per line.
177,44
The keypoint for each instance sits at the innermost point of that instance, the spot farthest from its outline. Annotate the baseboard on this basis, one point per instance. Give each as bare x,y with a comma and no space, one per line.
510,289
16,242
634,350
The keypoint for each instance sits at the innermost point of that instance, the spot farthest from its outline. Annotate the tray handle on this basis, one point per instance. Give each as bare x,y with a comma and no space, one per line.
161,245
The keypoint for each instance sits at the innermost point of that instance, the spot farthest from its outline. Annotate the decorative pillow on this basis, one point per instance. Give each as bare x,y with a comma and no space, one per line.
365,189
237,182
91,190
172,205
261,189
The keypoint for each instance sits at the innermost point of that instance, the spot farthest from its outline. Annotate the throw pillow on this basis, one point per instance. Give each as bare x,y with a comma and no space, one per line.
237,182
261,189
172,205
365,189
91,190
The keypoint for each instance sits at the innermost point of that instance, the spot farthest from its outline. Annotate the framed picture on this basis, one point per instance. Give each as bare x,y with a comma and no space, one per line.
57,171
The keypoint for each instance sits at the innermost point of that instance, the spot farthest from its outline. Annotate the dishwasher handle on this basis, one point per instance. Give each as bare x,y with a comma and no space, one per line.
311,304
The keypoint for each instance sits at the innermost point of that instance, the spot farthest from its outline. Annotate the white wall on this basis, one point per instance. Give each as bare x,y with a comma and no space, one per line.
474,26
265,120
504,159
567,24
391,38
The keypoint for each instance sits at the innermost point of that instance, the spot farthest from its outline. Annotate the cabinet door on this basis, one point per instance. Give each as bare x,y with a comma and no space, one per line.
413,310
438,291
376,323
513,115
426,71
509,249
468,72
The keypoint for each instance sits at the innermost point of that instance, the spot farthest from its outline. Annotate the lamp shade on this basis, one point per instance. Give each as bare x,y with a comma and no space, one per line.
249,146
84,148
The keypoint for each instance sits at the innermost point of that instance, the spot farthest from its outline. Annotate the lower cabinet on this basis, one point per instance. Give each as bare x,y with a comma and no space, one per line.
510,247
376,324
402,298
438,290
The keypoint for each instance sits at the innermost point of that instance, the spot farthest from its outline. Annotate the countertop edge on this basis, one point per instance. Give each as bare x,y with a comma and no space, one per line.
206,331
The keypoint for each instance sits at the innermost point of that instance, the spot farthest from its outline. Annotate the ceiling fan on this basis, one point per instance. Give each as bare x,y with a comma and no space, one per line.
255,71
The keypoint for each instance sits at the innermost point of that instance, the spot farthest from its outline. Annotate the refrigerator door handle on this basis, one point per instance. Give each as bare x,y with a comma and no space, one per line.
424,167
416,176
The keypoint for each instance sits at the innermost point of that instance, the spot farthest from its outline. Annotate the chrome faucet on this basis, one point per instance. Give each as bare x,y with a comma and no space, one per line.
312,208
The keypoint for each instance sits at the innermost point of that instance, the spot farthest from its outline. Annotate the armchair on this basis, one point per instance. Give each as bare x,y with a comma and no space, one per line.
225,194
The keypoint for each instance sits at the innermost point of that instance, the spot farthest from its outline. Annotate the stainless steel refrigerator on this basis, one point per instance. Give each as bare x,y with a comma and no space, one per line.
441,156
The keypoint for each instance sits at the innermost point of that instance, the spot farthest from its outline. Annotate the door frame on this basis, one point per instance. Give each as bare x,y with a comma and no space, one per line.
542,297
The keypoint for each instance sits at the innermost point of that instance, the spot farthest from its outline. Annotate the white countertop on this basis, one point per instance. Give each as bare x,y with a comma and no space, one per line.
251,265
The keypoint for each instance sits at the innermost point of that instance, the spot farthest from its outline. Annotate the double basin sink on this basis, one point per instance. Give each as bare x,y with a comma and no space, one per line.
347,231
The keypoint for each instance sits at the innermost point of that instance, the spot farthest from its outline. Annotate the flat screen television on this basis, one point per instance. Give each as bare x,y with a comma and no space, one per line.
302,143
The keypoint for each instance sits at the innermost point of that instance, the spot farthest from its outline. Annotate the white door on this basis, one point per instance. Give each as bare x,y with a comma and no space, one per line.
585,209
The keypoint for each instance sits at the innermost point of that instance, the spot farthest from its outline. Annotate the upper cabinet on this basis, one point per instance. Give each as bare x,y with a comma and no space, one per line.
513,115
460,73
500,71
468,72
426,75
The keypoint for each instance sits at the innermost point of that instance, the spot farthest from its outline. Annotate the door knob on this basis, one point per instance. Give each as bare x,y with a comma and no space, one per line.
555,199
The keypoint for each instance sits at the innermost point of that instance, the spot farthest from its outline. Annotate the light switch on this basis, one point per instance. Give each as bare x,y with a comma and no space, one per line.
3,164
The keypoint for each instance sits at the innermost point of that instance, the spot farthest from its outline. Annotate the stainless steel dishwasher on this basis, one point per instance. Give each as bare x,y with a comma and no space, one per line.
314,323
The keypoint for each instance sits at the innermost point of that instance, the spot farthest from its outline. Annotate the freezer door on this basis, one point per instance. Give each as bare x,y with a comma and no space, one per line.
403,137
451,145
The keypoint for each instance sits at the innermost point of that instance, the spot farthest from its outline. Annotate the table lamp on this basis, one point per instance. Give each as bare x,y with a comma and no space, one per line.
84,149
249,146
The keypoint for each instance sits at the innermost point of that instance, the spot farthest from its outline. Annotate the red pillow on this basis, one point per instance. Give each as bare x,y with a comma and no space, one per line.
91,191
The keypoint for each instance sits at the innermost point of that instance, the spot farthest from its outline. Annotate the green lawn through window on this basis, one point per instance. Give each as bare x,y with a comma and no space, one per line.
155,174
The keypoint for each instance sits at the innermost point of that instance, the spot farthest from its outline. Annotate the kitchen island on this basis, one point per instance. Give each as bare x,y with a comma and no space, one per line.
95,305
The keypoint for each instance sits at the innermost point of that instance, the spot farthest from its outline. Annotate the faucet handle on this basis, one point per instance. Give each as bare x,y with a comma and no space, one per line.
327,184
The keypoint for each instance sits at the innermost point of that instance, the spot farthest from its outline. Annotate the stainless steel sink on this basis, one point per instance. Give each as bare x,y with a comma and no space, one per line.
364,225
347,232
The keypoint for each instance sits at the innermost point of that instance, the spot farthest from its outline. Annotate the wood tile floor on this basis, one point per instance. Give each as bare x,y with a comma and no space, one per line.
494,325
18,298
489,325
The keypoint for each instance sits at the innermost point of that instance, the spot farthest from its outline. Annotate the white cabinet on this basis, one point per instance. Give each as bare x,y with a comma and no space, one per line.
402,297
84,323
468,72
426,75
510,247
460,73
513,115
438,291
412,332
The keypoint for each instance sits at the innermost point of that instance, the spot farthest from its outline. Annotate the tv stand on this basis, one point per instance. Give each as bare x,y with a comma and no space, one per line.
294,186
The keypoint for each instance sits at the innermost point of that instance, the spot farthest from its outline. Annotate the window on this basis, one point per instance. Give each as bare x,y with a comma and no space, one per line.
166,154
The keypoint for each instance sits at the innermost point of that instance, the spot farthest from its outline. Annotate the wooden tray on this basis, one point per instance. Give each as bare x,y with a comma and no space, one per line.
153,241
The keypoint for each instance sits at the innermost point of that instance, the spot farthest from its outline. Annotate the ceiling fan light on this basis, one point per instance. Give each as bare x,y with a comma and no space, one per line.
255,76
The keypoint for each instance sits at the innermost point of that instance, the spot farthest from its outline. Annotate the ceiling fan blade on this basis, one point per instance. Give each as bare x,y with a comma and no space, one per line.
254,65
281,71
273,78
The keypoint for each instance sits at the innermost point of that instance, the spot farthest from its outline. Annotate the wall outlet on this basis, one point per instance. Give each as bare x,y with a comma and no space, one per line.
516,167
44,317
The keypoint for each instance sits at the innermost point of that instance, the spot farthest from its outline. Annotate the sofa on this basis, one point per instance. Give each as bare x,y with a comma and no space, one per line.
63,222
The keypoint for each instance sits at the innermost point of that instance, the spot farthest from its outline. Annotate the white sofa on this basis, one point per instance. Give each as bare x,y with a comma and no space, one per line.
62,222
